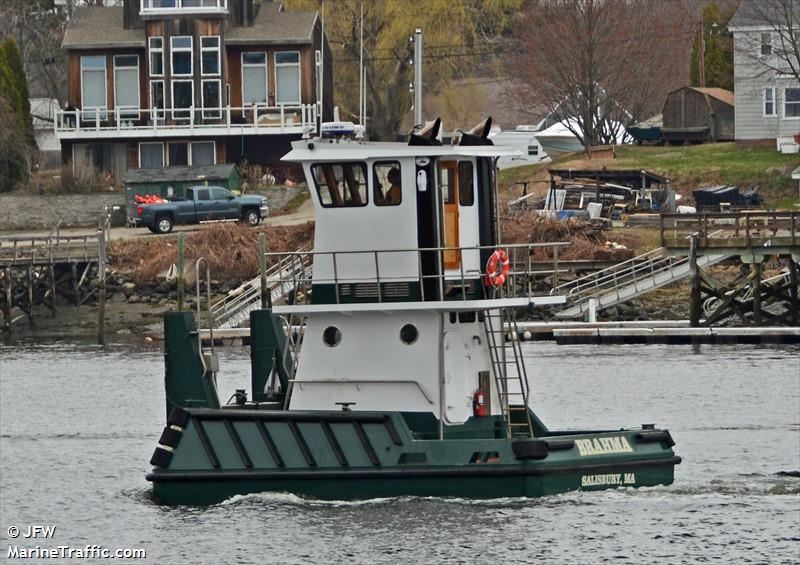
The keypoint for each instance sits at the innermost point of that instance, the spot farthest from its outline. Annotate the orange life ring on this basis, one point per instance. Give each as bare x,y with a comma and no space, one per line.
497,268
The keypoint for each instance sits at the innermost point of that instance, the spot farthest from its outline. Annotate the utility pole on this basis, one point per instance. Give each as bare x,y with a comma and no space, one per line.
418,77
702,53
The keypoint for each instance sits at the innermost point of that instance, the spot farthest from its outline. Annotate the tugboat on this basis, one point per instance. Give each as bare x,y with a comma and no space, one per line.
388,371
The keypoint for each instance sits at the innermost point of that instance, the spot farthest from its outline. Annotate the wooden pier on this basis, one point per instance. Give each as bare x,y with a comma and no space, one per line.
753,238
46,270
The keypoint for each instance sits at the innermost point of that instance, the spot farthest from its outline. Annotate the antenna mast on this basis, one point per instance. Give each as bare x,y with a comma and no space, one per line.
418,77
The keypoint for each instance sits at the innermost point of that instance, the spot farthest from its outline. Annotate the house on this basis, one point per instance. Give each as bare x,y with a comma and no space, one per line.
693,114
767,93
156,83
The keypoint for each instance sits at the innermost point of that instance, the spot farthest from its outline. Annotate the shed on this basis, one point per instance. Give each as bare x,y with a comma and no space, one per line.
171,182
693,114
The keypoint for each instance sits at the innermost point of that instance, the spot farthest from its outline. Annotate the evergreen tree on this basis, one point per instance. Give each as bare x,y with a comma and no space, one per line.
14,86
718,49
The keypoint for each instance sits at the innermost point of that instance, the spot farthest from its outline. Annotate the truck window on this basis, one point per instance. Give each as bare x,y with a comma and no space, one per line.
202,194
386,183
340,185
189,194
218,193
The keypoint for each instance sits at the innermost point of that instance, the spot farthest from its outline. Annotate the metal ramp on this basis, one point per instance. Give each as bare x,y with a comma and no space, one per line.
629,279
283,278
508,369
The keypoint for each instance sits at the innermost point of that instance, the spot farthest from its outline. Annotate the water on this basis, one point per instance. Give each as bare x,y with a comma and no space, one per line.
78,424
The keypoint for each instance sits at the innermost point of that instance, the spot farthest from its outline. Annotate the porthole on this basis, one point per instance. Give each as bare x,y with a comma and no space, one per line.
409,334
332,336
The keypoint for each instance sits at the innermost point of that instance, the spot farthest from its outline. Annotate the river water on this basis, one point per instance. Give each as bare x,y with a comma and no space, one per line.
78,424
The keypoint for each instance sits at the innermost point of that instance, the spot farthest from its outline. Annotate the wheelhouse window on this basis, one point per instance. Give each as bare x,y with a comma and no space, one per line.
126,85
287,77
387,183
181,55
151,155
212,101
156,46
210,58
93,86
769,102
340,185
182,98
254,78
791,103
466,186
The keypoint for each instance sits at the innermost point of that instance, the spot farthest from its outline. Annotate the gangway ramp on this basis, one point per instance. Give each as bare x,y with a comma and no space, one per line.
234,310
629,279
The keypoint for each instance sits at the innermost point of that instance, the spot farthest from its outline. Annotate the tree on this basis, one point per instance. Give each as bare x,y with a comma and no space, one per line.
456,34
717,67
14,87
595,64
14,156
772,35
38,27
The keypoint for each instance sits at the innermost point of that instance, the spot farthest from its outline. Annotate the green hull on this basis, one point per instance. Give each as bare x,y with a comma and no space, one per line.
352,455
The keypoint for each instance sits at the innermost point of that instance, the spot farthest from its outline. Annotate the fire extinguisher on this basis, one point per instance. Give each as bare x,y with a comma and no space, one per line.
479,407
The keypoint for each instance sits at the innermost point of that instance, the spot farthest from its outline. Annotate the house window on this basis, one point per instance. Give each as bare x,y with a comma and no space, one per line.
126,86
769,102
210,58
151,155
181,153
93,86
287,77
182,98
178,154
203,153
157,99
791,103
340,185
181,55
254,78
766,44
212,103
156,45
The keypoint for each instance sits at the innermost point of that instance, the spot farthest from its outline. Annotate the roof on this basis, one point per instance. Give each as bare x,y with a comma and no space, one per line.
97,27
718,93
632,176
323,150
760,13
273,25
179,174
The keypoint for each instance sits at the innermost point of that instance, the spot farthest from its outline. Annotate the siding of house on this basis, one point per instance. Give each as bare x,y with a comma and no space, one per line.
751,77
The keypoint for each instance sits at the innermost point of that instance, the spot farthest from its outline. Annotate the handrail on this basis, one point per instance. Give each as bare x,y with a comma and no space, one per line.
749,226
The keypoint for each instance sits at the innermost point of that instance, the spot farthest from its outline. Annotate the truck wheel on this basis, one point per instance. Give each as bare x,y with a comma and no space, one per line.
163,224
251,217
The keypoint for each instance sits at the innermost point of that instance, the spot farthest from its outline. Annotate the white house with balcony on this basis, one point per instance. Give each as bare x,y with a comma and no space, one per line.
155,83
767,91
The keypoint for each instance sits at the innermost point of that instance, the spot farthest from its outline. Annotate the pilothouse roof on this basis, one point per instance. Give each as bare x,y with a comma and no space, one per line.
333,150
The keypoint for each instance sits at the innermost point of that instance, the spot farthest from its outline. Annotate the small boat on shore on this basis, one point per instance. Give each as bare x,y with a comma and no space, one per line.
387,372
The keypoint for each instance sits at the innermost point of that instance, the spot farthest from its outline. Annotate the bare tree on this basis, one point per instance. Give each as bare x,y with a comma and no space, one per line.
771,34
38,28
597,64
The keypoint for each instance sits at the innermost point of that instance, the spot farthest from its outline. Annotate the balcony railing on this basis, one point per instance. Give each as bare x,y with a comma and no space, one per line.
166,7
155,122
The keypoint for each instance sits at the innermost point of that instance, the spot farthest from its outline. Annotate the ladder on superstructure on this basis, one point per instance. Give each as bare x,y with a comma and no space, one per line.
508,370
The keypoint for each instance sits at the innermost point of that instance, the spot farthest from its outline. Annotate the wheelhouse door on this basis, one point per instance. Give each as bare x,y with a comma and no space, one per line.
448,183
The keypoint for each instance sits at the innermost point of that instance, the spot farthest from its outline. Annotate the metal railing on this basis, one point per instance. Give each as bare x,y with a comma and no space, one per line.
255,118
232,311
735,228
379,280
